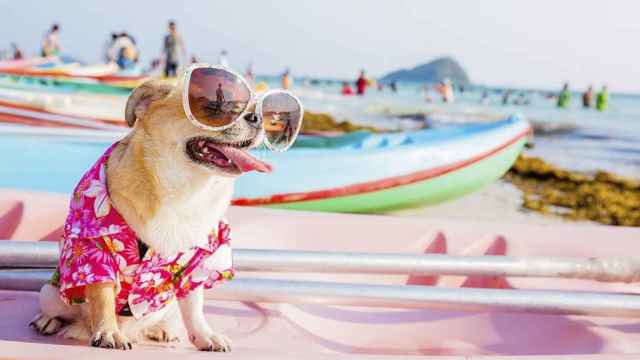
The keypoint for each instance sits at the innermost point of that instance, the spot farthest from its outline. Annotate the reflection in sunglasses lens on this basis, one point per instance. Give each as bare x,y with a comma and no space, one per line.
216,96
282,118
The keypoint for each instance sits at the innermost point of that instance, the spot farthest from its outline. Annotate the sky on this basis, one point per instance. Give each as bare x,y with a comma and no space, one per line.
538,43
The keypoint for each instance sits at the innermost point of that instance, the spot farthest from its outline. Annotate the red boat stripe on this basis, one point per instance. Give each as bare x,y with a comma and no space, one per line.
374,185
62,74
42,111
25,120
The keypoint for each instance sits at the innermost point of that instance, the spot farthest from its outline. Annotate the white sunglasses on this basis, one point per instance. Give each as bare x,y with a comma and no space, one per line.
216,97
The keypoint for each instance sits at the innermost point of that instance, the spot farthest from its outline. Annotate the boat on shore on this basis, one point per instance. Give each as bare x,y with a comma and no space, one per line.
68,70
316,309
56,84
384,172
377,173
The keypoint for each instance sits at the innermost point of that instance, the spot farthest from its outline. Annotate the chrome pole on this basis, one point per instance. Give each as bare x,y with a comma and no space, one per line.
24,280
600,269
15,254
29,254
393,296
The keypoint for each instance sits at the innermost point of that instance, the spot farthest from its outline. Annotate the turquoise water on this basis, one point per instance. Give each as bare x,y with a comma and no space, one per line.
608,140
30,163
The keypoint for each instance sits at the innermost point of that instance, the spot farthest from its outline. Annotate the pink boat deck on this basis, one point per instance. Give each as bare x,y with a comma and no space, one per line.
315,331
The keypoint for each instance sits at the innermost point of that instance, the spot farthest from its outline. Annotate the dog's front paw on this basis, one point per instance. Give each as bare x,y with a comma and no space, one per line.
46,325
161,334
110,339
211,342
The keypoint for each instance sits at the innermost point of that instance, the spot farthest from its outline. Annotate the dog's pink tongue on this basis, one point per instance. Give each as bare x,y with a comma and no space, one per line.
243,160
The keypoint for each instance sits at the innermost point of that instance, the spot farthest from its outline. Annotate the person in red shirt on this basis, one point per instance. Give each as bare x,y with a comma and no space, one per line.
346,88
361,83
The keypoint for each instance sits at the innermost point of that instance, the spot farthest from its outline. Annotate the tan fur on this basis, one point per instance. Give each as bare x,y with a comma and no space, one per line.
101,299
150,178
169,201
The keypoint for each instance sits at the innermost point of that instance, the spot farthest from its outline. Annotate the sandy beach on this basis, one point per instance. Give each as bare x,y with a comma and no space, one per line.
500,202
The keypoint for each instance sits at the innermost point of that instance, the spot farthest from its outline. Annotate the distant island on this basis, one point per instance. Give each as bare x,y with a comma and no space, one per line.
431,72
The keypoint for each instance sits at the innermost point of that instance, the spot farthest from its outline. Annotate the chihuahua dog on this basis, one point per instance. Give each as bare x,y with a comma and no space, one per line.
164,186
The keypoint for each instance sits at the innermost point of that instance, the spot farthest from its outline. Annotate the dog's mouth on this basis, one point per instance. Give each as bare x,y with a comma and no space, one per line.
232,158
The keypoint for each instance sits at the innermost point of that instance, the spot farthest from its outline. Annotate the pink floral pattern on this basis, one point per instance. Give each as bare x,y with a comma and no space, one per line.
98,246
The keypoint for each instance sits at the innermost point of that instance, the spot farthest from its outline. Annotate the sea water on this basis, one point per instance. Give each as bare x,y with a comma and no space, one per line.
575,138
586,139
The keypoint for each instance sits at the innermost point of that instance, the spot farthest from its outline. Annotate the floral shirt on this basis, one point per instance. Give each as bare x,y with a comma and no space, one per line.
98,246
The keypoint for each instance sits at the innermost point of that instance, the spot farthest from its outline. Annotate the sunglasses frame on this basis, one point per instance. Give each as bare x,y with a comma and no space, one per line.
252,98
259,113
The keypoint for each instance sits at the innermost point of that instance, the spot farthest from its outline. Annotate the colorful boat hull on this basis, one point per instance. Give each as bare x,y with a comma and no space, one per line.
375,174
388,172
64,85
419,189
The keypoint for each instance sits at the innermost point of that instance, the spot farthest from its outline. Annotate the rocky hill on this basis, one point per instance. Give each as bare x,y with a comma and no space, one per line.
431,72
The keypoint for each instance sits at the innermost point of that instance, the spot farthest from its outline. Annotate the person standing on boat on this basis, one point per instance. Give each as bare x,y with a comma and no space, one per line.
51,42
124,51
173,48
361,83
587,97
17,53
602,99
109,56
564,98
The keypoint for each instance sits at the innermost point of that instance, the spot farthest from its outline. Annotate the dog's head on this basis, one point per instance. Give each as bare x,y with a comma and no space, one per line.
155,111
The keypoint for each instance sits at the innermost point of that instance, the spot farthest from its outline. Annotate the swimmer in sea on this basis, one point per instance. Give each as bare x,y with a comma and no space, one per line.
602,99
564,98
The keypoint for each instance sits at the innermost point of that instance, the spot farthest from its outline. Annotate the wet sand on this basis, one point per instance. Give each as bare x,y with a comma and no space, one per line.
500,202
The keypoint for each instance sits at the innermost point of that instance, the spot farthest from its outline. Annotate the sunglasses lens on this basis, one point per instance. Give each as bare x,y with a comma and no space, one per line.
216,96
282,118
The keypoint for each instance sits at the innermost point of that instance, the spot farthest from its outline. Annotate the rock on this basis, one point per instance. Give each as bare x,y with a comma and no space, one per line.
431,72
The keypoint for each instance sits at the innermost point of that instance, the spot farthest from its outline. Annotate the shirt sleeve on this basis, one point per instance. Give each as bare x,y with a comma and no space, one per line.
84,262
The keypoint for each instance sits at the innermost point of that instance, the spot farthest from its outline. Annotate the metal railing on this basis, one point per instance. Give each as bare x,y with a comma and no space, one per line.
28,265
27,254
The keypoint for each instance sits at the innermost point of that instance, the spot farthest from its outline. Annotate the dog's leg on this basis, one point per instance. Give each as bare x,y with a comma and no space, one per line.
55,313
101,299
200,334
166,330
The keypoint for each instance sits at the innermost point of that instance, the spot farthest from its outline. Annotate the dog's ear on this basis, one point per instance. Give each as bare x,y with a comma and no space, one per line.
142,97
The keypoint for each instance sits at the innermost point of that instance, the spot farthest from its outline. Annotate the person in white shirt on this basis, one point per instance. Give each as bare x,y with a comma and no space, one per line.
51,42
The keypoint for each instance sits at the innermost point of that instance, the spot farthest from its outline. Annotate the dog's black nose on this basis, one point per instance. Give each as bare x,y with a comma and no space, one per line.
252,118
